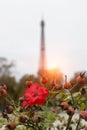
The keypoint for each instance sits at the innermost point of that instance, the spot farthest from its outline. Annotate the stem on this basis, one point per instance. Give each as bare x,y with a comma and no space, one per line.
78,123
71,97
11,101
74,86
86,103
28,126
33,125
69,121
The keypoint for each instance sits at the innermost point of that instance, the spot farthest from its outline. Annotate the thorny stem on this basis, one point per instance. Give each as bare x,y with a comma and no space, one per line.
74,86
86,103
55,93
71,97
69,121
33,125
36,127
11,101
39,128
78,123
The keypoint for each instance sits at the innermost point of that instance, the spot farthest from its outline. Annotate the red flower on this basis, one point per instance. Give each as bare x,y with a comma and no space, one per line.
36,94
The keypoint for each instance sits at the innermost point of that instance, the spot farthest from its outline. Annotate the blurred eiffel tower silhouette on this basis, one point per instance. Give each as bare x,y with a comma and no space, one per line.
53,74
42,63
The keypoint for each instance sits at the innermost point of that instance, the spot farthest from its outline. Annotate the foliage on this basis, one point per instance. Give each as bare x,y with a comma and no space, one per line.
41,105
5,67
7,77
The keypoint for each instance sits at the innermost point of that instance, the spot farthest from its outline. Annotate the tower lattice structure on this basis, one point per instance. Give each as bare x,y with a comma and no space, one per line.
42,63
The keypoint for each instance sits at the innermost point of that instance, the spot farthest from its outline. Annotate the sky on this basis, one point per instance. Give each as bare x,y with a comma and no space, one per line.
65,34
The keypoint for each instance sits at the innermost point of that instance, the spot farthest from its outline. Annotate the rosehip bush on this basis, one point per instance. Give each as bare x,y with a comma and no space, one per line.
44,106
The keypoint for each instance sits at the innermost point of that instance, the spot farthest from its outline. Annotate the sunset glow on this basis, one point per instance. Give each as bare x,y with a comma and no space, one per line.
52,66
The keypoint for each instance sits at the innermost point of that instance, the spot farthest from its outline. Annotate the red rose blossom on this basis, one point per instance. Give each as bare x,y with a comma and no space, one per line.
36,94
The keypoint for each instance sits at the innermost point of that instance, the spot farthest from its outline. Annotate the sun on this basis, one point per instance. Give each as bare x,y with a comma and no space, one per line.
52,66
53,69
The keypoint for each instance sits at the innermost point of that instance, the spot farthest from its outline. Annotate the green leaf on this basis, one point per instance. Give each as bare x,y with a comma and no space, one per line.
82,106
76,94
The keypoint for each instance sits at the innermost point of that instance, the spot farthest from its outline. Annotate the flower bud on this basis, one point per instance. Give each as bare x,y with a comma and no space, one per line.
67,85
58,87
22,119
31,113
53,83
80,79
54,110
21,109
64,105
83,115
83,90
4,115
11,125
70,111
3,86
3,92
36,118
44,80
21,99
28,83
9,109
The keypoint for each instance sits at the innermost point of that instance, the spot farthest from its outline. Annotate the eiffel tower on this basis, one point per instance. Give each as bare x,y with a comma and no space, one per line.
42,63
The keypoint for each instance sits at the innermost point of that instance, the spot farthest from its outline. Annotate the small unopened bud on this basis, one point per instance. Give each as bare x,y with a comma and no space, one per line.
21,99
58,87
44,80
2,92
80,79
53,83
11,125
36,118
67,85
83,90
31,113
64,105
4,115
3,86
28,83
22,119
9,109
70,111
